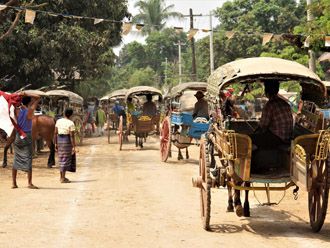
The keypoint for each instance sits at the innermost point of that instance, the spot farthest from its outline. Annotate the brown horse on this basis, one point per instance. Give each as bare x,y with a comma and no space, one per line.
42,127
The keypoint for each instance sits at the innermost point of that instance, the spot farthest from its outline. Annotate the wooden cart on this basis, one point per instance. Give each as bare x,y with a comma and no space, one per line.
178,127
226,152
62,99
107,103
137,123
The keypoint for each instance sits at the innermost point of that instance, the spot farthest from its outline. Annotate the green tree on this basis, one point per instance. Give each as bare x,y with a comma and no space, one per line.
319,27
64,46
153,14
145,76
249,19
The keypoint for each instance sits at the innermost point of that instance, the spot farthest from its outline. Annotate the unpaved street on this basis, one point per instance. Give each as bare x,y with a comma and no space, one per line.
131,199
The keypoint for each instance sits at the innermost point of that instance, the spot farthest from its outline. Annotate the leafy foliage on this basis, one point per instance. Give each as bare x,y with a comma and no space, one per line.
153,14
66,47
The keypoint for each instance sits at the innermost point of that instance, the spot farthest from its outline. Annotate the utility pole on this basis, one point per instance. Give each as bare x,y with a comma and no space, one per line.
211,45
193,46
179,44
312,63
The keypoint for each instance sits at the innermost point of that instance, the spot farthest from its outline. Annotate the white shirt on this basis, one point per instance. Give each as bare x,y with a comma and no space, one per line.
65,126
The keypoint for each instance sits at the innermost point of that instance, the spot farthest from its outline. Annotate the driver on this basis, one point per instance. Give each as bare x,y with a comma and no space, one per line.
276,123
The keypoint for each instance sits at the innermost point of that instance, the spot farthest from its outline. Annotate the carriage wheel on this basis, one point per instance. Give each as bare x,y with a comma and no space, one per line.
120,132
165,139
205,191
79,129
109,130
318,195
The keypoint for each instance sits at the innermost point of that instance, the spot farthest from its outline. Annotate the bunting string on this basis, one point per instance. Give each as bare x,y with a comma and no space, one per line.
30,16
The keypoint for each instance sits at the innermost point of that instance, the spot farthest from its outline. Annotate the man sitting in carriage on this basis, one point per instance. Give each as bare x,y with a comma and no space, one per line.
201,108
149,107
276,123
119,111
275,130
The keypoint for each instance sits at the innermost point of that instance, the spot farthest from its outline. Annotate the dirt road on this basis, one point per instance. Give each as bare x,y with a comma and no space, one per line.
131,199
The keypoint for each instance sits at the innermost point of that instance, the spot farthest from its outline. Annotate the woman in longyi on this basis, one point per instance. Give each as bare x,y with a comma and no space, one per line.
65,144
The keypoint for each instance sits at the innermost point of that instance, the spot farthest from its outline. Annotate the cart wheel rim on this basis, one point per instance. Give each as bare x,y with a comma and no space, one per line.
318,195
120,132
165,139
205,193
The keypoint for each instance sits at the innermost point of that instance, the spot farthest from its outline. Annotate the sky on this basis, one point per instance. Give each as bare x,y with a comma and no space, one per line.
199,7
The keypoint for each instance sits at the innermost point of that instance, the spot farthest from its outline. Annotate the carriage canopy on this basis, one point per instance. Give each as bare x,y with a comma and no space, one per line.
193,86
143,90
36,92
252,70
73,97
115,94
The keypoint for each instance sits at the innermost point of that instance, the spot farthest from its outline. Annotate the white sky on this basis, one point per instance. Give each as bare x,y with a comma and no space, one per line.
199,7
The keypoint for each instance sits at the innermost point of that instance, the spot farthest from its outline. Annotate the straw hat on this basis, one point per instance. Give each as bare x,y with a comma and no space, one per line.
199,94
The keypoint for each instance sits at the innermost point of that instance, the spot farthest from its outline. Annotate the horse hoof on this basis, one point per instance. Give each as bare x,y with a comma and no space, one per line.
230,209
4,165
246,213
239,210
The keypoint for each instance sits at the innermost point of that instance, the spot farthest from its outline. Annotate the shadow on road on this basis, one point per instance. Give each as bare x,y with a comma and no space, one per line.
268,223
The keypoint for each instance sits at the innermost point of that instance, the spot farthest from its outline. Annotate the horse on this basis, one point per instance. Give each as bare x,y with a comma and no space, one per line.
42,127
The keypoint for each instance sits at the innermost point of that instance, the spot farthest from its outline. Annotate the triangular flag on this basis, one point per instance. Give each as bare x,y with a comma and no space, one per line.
327,41
230,34
97,21
126,28
192,33
29,16
178,30
306,42
266,38
139,26
2,7
277,37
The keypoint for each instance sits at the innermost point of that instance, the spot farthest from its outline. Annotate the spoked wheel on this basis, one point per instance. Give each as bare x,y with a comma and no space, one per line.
319,193
120,132
165,139
205,190
79,129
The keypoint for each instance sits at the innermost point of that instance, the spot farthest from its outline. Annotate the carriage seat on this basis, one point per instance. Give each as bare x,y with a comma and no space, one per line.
264,160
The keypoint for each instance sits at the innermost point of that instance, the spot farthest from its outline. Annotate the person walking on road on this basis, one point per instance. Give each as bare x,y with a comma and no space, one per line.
100,121
23,145
64,141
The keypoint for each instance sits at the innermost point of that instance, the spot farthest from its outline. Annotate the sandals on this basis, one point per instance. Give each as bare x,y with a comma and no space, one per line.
65,180
32,187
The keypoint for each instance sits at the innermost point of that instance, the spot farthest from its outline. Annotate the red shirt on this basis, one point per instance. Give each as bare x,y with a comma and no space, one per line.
277,118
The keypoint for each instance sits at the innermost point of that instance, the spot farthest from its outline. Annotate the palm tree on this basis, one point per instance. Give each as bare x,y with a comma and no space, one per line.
153,14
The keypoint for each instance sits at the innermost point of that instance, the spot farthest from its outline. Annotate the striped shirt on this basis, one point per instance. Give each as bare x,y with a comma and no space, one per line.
277,118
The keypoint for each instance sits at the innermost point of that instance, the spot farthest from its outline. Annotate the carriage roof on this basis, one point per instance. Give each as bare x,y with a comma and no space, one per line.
177,90
327,84
115,94
35,92
143,90
73,97
254,69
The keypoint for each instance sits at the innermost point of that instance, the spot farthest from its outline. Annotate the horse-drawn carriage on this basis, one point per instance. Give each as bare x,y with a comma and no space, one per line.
138,122
59,100
178,127
227,151
107,103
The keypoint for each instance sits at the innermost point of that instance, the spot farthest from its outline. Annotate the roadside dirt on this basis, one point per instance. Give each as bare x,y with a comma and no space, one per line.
131,199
